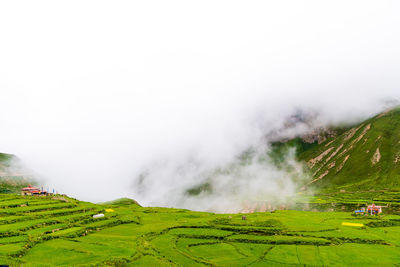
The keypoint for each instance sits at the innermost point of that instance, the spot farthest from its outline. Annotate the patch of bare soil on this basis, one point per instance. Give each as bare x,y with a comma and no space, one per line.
397,159
317,171
350,133
331,165
311,163
376,157
60,198
320,177
326,145
344,151
334,153
355,141
342,165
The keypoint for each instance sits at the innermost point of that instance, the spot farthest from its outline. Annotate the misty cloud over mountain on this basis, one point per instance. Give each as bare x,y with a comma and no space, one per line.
177,95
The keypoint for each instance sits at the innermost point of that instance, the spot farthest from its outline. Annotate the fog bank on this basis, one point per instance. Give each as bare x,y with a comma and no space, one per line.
94,95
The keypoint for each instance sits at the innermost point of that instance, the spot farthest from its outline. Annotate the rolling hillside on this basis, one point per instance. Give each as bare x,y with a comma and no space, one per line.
364,157
60,231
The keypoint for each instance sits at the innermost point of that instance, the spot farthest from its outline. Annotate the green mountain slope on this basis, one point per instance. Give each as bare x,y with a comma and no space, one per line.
365,157
11,177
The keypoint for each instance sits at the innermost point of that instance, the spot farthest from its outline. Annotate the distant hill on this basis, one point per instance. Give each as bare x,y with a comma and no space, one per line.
5,160
363,157
12,176
122,201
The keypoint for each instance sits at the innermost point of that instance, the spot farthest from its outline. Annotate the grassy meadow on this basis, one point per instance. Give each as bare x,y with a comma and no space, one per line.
60,231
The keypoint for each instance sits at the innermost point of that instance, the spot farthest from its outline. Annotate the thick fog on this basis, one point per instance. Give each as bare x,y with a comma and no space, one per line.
150,99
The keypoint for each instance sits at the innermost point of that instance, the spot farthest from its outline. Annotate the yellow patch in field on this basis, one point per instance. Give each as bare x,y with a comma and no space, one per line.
352,224
109,210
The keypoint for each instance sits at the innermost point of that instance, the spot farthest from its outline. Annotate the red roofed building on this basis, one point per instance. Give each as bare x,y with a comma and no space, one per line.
374,209
30,190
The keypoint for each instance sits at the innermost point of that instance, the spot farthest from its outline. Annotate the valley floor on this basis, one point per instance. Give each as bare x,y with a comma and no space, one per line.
60,231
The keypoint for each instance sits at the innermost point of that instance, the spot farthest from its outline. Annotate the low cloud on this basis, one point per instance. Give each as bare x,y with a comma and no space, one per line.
237,186
94,95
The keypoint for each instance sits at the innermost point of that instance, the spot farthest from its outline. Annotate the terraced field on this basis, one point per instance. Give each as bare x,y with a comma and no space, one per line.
26,222
60,231
349,201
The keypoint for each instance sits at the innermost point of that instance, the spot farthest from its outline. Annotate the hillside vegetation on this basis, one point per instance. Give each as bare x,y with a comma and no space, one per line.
11,179
60,231
365,157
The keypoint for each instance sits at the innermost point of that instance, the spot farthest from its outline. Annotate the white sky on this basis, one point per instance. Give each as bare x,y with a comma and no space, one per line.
92,91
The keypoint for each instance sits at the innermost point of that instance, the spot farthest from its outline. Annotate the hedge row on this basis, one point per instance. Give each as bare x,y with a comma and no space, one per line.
52,214
23,210
32,241
341,240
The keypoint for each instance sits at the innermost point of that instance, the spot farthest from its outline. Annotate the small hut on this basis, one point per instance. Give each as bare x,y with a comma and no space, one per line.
360,211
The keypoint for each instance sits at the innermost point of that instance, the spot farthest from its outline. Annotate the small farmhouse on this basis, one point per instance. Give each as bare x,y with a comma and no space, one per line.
370,209
374,209
32,191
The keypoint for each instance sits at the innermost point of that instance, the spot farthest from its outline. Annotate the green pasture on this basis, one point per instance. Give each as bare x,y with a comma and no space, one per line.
54,232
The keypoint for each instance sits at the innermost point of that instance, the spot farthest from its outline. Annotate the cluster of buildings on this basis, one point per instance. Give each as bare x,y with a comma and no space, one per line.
370,209
34,191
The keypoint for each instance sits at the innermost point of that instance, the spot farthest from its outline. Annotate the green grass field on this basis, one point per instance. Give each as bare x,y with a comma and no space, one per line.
60,231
